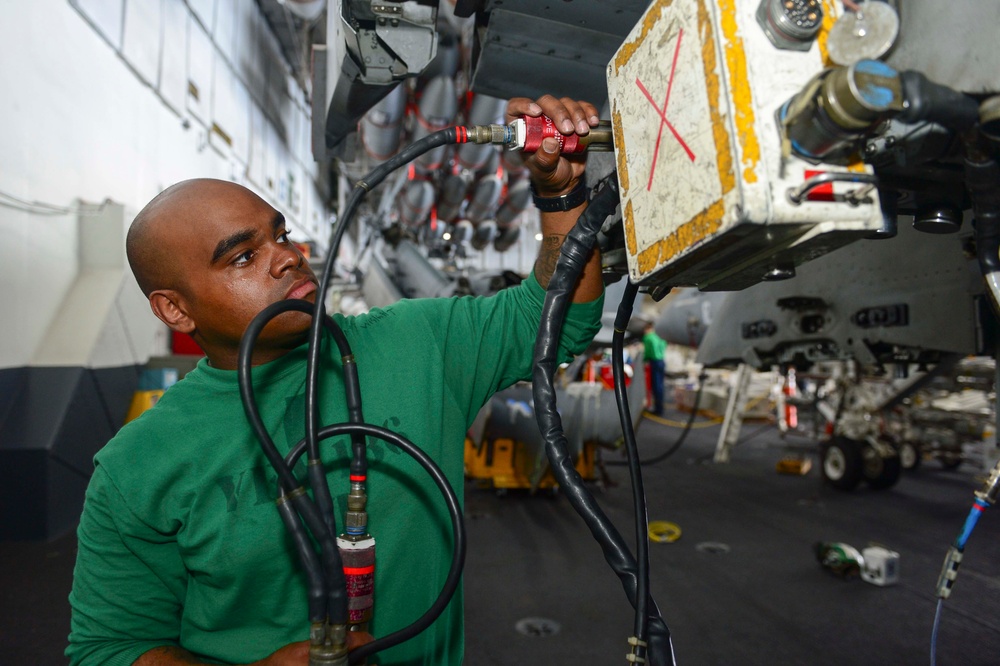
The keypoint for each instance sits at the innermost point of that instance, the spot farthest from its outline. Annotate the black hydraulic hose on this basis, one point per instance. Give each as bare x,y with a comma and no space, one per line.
987,242
982,180
315,590
573,256
245,379
352,397
926,100
687,428
680,439
325,574
333,567
458,530
331,585
362,187
988,249
244,370
298,498
632,449
317,480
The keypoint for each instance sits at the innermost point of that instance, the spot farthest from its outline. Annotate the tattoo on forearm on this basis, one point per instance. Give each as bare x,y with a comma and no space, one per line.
548,255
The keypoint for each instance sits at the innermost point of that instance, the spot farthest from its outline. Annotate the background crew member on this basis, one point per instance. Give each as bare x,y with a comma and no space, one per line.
653,349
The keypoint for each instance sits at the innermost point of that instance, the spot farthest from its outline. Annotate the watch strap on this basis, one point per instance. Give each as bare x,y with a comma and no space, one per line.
575,197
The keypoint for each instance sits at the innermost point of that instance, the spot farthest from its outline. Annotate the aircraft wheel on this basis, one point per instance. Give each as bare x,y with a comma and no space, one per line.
880,472
909,456
950,460
842,463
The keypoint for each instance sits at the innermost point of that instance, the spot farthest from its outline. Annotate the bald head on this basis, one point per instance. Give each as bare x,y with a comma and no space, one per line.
176,211
211,255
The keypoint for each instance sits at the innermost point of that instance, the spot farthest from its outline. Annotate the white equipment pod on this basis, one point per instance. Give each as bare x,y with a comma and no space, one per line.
705,189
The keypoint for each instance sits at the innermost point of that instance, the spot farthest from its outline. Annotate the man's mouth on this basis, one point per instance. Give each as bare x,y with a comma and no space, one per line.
301,289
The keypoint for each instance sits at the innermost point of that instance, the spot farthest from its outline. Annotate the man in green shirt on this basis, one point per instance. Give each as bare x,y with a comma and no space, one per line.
653,349
183,558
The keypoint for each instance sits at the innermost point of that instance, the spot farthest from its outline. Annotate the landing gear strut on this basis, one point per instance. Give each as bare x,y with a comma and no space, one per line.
881,464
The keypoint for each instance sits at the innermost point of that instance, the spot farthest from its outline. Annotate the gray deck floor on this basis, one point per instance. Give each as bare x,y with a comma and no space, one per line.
765,601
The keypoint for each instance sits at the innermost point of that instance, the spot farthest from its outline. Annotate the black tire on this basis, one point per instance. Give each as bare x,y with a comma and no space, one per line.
879,472
909,456
841,463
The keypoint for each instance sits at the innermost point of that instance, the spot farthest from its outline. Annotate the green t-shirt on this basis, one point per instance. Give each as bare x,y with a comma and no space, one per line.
180,542
653,347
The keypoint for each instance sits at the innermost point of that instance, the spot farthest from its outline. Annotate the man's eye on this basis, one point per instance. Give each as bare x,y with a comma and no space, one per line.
243,258
283,237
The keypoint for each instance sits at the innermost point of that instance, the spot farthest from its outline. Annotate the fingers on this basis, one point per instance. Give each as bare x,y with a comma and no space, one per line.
522,106
552,173
547,158
569,115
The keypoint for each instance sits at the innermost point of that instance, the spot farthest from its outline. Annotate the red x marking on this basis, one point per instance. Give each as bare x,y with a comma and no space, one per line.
663,113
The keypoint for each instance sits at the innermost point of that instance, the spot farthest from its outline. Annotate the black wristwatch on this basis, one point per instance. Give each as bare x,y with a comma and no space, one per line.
564,202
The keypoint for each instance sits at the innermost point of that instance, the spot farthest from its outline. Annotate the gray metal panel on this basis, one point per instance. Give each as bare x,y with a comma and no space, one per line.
953,43
317,120
616,17
533,48
40,405
94,413
58,418
928,273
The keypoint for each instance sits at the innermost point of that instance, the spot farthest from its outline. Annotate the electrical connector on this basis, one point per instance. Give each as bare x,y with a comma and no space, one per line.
357,552
498,135
949,572
991,488
527,134
356,518
327,644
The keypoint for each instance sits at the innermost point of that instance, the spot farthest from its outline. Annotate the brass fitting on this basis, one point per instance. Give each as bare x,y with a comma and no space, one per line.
328,644
495,134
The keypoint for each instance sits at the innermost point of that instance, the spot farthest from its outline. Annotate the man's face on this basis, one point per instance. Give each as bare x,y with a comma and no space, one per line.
233,259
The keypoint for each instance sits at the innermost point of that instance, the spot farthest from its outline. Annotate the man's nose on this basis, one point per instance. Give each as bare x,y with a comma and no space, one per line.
286,257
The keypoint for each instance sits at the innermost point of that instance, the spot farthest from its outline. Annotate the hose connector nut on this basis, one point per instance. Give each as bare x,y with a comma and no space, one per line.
499,135
355,519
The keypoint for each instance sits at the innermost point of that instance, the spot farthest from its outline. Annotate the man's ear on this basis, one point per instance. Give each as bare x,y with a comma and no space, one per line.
169,308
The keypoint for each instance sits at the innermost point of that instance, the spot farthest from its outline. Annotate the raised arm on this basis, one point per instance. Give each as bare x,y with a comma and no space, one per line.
554,175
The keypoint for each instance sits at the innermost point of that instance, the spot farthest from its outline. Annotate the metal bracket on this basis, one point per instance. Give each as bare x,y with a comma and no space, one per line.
797,195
